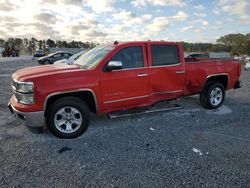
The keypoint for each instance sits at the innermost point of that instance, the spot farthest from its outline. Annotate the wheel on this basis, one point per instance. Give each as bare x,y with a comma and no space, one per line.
68,117
47,62
212,96
13,54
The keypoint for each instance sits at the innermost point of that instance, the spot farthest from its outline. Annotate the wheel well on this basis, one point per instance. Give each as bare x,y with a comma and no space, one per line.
86,96
223,79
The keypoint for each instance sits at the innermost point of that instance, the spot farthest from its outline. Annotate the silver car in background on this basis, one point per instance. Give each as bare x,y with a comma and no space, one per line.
70,60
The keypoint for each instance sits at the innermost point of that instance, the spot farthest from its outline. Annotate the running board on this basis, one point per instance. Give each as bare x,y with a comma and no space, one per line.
140,111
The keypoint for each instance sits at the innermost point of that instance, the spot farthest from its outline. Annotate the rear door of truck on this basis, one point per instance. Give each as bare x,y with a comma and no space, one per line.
166,70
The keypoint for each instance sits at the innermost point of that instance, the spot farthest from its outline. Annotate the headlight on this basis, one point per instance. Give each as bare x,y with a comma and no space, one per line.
23,87
23,91
25,98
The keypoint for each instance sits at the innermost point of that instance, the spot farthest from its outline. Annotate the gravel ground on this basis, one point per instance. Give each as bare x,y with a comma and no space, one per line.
190,147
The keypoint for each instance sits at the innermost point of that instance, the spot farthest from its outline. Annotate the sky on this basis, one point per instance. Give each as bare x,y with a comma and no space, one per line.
123,20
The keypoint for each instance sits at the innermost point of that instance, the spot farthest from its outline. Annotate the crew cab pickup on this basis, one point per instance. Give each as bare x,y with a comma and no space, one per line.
115,77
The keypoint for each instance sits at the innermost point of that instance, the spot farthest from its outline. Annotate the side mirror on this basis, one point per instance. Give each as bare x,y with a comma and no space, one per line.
114,65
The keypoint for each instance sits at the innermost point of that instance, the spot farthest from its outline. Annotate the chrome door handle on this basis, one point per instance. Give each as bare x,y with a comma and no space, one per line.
180,72
142,75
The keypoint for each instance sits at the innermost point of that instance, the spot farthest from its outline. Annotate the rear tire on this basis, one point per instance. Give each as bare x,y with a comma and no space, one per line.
213,95
68,117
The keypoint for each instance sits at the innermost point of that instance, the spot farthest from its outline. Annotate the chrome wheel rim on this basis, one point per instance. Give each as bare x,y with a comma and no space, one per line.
68,119
216,96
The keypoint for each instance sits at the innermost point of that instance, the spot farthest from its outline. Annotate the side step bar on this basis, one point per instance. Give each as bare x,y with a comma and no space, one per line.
139,111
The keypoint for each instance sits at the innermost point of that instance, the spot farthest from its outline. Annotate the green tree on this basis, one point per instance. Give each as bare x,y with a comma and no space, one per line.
236,42
50,43
2,43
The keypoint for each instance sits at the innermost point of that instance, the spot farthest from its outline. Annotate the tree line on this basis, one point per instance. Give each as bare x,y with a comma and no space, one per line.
234,43
29,46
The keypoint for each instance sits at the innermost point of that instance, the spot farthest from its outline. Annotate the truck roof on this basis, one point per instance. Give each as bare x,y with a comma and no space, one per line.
117,44
143,42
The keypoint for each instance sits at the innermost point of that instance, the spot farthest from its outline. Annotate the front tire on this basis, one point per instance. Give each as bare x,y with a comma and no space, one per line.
68,117
212,96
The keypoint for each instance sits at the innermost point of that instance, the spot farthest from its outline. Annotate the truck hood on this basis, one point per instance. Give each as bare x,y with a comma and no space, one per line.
29,73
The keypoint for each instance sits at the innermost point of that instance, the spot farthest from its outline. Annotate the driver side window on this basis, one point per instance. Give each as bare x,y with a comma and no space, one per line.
130,57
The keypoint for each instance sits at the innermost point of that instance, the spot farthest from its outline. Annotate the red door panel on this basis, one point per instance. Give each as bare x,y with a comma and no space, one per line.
166,81
126,88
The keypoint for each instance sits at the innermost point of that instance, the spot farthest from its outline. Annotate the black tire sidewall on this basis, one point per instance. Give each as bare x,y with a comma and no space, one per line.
46,62
73,102
208,92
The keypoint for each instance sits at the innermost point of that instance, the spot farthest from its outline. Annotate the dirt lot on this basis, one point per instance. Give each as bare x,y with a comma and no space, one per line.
190,147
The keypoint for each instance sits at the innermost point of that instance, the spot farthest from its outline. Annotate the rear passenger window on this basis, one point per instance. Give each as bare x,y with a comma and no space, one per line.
165,55
130,57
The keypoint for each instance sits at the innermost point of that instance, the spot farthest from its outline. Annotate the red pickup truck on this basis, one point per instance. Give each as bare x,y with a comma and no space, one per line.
115,77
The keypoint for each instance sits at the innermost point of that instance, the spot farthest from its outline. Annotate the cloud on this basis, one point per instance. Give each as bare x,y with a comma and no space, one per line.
168,2
200,22
42,30
6,5
71,2
200,29
100,6
237,7
216,11
109,20
6,19
159,24
45,18
180,16
198,14
80,26
144,3
124,15
186,29
139,3
199,7
245,19
66,2
131,19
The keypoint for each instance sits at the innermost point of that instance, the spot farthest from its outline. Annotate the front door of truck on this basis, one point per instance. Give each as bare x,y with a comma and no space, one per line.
127,87
167,71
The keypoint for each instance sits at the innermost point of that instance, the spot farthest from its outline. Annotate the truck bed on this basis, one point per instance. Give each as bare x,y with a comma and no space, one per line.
198,70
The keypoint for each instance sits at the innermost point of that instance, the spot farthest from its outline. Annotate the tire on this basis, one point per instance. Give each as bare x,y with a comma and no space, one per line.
212,96
13,54
47,62
68,117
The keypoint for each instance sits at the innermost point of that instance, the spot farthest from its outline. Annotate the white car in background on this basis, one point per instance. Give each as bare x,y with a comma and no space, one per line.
247,66
70,60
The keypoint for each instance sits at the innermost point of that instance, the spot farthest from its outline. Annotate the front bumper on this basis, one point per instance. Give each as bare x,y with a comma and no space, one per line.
31,119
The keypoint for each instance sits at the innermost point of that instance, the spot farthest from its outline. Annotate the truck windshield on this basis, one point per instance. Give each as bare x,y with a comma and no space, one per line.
91,58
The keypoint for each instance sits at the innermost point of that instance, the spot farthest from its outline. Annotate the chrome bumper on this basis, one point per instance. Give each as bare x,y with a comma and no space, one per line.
31,119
